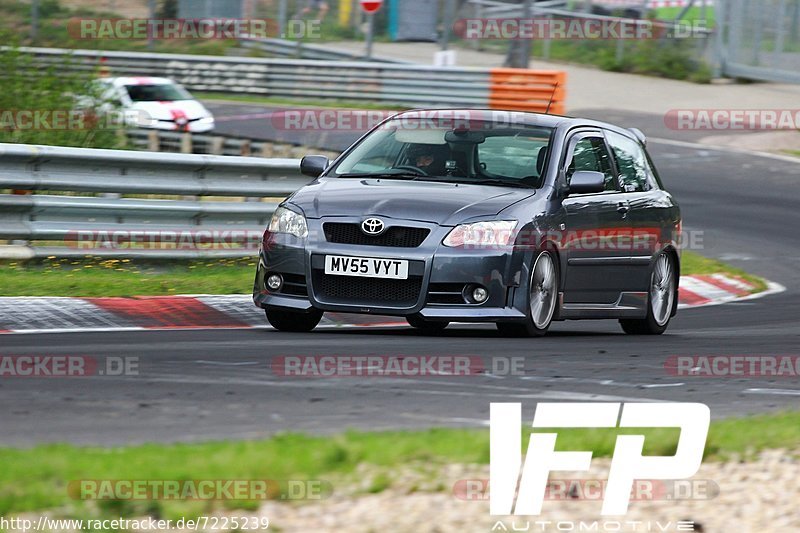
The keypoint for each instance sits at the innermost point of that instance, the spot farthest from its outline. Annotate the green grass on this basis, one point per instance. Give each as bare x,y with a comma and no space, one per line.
37,478
694,14
115,277
692,263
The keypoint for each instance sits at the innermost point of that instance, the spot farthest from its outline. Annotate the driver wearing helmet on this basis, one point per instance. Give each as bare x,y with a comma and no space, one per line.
429,158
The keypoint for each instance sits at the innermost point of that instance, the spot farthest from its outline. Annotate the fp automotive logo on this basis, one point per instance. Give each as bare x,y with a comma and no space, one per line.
627,463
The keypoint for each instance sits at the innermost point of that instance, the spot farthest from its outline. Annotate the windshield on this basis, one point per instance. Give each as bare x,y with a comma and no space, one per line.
157,93
477,151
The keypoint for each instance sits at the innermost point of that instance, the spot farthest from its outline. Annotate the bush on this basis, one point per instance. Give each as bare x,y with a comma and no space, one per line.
675,59
39,106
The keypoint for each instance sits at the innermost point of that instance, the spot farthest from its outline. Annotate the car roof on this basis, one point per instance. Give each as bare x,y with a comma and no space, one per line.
524,117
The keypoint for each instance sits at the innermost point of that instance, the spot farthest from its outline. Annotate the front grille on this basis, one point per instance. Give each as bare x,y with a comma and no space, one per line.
353,290
395,236
294,285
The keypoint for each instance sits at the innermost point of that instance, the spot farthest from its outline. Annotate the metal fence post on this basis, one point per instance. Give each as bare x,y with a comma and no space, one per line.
153,142
151,13
449,14
282,8
34,19
780,39
186,143
720,27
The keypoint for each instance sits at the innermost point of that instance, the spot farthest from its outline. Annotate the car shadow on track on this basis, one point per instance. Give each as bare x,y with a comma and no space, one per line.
459,332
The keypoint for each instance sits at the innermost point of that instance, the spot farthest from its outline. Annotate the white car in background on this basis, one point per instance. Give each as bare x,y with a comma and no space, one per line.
157,103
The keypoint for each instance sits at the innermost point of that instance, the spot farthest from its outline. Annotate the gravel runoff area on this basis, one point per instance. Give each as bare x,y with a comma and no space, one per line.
760,495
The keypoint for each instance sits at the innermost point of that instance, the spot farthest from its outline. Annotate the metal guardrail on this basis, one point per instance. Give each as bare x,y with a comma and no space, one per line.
301,50
320,80
47,216
213,144
406,85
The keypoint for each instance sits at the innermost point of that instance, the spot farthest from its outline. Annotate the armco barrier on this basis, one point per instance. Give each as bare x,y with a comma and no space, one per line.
301,50
390,84
153,140
256,184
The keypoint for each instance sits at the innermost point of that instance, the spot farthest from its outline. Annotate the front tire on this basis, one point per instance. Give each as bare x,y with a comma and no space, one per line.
284,320
660,300
542,300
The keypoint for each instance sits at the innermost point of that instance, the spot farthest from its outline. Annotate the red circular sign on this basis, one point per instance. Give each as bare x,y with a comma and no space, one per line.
371,6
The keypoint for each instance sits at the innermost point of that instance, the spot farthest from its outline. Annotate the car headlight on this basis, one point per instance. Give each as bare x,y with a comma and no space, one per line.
490,233
287,221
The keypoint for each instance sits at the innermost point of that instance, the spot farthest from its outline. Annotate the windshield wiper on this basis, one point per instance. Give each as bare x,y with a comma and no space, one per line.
494,181
403,174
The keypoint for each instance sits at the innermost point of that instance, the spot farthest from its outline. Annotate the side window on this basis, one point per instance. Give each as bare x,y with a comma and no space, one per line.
631,162
590,153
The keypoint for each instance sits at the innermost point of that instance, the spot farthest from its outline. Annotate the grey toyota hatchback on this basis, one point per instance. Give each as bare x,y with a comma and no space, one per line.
458,215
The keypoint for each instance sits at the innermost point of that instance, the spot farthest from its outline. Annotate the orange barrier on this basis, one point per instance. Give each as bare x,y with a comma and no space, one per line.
518,89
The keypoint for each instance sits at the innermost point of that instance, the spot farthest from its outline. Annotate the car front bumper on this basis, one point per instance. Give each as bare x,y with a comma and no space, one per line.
436,273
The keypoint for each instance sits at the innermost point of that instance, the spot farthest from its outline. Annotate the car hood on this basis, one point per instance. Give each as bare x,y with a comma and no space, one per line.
427,201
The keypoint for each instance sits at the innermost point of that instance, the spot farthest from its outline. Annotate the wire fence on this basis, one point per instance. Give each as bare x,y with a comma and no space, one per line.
760,40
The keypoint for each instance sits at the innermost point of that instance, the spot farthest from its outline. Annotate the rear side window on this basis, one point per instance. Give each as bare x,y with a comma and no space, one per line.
511,156
631,162
590,153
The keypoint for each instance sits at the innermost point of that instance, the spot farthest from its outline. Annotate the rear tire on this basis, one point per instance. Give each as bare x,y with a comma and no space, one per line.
542,300
292,321
660,300
426,326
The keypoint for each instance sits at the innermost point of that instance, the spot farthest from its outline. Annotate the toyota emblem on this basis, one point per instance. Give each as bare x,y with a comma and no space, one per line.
373,226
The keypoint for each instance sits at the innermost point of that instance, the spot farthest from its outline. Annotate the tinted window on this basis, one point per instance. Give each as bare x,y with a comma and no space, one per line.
631,162
590,153
156,93
445,149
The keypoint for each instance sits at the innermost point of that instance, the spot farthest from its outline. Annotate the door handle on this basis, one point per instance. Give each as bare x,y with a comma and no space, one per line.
623,209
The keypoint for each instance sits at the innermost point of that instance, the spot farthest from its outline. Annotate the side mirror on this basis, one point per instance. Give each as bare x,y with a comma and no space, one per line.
313,165
587,182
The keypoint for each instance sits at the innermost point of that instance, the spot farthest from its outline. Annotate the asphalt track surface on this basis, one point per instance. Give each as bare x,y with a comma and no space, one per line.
200,385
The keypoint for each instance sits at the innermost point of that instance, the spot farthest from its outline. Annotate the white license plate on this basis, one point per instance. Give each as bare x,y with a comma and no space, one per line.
368,267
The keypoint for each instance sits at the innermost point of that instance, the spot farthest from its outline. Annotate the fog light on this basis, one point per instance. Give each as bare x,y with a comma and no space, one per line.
274,282
479,294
